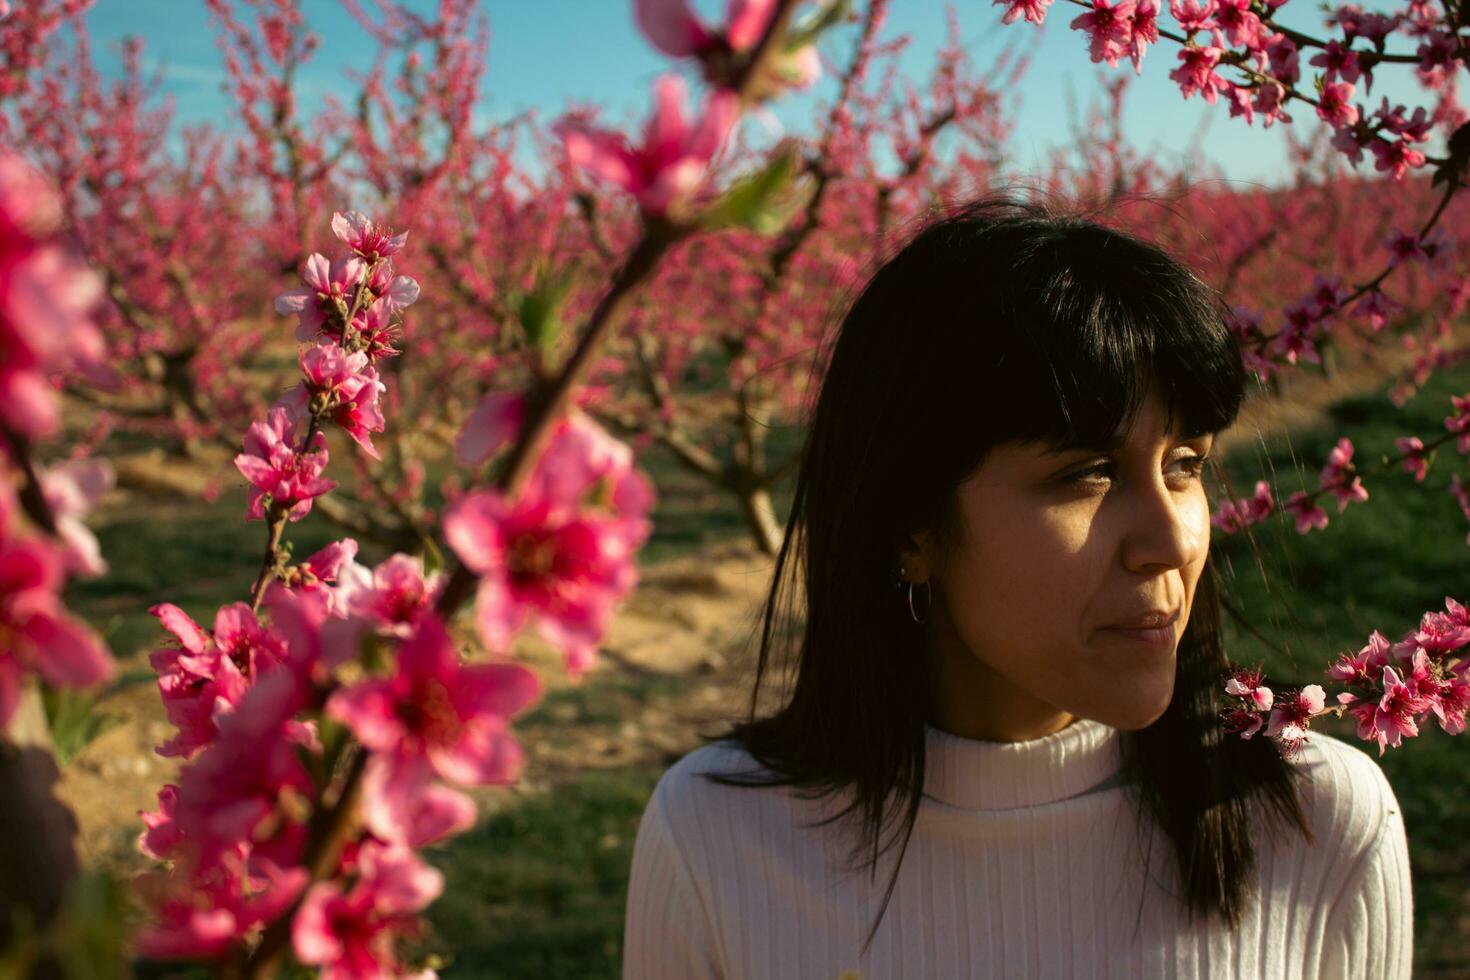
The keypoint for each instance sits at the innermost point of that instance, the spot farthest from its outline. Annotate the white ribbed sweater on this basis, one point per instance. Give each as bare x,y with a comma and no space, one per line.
1026,861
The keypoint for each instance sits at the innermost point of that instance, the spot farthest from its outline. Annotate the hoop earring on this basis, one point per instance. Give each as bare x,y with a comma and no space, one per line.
928,601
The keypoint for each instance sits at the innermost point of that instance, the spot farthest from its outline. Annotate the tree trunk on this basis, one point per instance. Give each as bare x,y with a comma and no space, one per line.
760,516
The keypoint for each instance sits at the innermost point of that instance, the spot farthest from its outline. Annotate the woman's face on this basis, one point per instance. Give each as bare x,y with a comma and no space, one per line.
1058,554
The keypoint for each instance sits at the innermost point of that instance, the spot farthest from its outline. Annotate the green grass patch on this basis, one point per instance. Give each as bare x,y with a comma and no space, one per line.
538,890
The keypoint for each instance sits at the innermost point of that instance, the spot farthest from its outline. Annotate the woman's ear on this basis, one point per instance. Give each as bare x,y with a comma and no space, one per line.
916,556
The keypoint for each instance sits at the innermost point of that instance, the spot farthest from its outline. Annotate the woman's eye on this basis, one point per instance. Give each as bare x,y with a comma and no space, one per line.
1093,474
1193,467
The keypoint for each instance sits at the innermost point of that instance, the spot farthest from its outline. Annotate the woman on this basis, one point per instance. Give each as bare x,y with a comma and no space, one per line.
1011,765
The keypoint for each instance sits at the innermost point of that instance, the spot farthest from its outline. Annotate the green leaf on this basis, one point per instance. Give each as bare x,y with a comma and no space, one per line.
431,556
764,201
74,720
540,309
805,33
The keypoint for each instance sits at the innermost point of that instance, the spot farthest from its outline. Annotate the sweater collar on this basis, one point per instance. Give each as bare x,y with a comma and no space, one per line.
979,775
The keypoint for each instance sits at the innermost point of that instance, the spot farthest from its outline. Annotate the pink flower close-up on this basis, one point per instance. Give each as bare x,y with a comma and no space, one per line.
349,932
37,633
281,473
670,162
433,717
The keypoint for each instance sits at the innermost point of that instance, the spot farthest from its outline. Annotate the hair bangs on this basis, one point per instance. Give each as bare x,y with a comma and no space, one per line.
1091,331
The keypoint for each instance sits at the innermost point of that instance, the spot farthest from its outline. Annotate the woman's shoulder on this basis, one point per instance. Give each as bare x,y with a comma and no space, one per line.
1345,797
685,787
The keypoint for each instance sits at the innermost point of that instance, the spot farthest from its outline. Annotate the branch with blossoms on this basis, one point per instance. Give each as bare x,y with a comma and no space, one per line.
1344,480
1391,689
324,744
1246,35
47,331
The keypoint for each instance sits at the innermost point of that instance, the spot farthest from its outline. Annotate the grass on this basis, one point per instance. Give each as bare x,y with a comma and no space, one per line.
538,890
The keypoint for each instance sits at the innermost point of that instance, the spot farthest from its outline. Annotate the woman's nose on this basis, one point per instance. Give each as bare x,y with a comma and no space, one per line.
1166,528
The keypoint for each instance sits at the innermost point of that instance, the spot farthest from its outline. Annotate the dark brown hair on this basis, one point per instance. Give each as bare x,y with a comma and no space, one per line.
1027,326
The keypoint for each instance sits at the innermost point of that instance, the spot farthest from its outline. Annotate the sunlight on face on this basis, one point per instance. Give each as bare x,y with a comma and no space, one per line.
1057,552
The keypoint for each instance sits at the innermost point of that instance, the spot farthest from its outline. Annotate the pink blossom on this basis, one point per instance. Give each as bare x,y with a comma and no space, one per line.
1033,10
1270,102
37,634
1377,307
1145,31
1335,106
1295,342
670,164
349,932
434,716
1292,716
1196,73
1236,515
672,27
1110,28
1338,477
46,303
392,595
327,298
1241,27
1350,143
71,490
1452,703
1364,666
1243,722
241,787
366,239
1308,515
206,677
401,292
1284,57
1459,421
374,329
1338,59
1416,459
1246,685
1394,715
1193,16
1440,634
1397,157
201,908
279,474
493,423
343,387
316,576
160,831
564,549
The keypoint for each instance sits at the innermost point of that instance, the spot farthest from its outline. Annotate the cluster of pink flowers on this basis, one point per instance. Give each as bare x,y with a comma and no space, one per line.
561,550
347,313
1339,478
1247,36
46,329
340,699
1392,688
37,633
670,163
1237,515
46,303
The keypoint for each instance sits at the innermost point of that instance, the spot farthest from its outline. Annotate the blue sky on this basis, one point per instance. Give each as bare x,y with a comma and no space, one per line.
548,53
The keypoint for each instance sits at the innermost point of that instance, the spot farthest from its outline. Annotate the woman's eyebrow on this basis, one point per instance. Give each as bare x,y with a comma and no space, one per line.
1111,444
